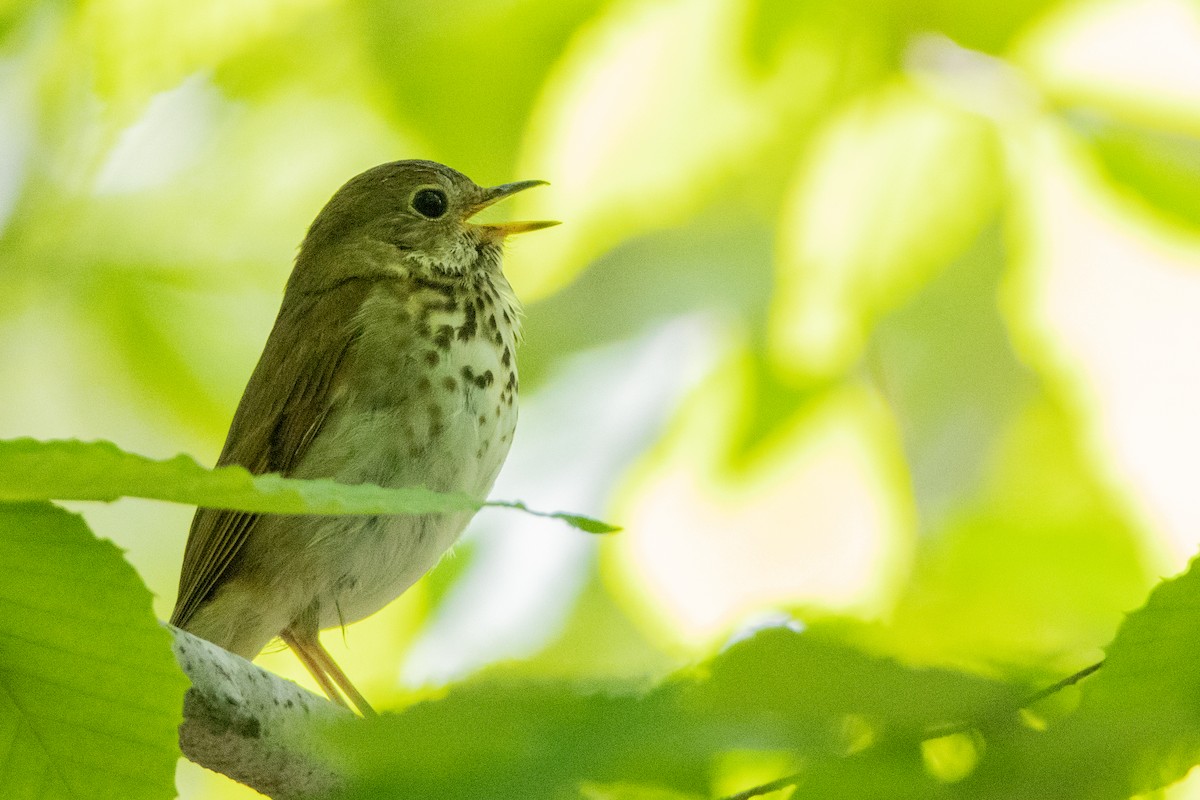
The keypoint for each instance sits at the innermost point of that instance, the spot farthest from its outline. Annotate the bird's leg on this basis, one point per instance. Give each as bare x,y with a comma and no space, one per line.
304,650
332,670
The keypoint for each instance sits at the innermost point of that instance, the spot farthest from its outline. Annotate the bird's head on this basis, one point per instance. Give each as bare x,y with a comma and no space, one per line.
415,214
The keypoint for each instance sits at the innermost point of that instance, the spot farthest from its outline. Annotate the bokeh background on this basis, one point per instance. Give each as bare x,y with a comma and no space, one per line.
877,314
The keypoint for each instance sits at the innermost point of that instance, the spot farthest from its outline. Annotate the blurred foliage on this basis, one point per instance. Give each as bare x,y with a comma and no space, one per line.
859,725
818,699
1158,167
1136,727
808,302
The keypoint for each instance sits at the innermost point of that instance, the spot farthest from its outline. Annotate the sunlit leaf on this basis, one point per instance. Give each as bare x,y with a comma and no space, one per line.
892,191
774,403
1009,503
990,27
816,514
469,79
893,23
779,31
646,116
90,694
323,55
140,47
71,470
1158,167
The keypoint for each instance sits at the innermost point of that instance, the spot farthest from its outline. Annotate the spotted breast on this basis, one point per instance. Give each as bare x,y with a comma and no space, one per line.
433,404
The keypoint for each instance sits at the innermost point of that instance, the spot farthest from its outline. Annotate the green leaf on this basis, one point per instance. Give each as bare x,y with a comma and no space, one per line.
946,366
1158,167
1137,726
892,771
1035,567
1148,693
73,470
990,27
90,694
779,691
889,25
630,791
975,24
139,47
585,524
894,189
470,79
780,29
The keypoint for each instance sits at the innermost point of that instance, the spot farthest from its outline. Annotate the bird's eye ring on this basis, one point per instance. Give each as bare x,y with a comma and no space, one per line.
431,203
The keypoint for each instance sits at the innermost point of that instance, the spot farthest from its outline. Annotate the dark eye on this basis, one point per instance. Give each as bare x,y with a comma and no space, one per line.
430,203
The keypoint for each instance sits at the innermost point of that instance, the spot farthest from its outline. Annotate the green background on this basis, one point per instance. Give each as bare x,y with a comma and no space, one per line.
873,324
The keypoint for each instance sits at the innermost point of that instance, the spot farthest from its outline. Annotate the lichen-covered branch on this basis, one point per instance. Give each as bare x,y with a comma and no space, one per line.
252,725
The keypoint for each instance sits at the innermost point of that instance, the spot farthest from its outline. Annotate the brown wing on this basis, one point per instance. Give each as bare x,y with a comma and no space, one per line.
284,405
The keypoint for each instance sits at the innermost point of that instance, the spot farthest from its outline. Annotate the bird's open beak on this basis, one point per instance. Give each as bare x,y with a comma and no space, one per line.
496,231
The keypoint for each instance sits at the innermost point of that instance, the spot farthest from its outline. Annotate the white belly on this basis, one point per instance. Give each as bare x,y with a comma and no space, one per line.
445,429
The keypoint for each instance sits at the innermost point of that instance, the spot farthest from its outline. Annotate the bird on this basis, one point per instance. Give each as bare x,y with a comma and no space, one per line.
392,361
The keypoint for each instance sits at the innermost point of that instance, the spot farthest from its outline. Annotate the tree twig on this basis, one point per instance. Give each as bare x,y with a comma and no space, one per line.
961,727
1070,680
254,726
767,788
936,733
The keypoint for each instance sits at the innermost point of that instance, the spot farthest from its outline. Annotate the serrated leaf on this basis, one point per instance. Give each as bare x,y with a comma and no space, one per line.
1146,699
74,470
1137,726
90,694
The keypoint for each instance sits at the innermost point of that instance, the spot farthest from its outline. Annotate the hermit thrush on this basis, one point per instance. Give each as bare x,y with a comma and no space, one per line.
391,362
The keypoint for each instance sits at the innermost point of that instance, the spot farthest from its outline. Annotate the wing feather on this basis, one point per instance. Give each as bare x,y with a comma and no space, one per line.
286,401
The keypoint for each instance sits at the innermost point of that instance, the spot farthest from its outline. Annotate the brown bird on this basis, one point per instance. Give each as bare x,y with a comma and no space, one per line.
392,362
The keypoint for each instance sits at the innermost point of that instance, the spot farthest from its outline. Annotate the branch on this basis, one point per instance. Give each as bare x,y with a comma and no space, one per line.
767,788
254,726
